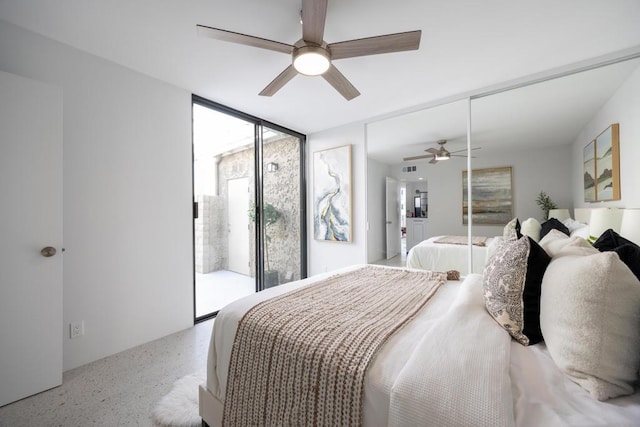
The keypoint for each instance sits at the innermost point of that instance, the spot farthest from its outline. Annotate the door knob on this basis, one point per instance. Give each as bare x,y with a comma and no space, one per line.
47,252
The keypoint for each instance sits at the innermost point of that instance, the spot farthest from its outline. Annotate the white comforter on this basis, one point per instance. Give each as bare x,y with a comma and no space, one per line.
428,255
451,365
469,384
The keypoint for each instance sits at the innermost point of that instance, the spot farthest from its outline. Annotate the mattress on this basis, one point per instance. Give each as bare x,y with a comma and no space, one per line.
428,255
542,394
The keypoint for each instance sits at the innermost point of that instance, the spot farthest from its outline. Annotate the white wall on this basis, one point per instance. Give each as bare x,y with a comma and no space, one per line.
325,256
533,171
624,108
377,174
127,196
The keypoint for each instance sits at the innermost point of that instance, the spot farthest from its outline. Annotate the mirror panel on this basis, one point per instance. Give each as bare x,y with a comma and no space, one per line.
438,185
540,130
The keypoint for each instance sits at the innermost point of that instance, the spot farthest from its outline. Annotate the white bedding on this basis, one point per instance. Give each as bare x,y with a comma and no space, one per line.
540,393
428,255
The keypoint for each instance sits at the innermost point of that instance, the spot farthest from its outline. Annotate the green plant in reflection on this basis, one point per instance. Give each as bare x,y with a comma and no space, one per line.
546,204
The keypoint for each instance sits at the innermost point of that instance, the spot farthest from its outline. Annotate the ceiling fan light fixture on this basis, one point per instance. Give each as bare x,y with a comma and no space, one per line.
311,60
443,155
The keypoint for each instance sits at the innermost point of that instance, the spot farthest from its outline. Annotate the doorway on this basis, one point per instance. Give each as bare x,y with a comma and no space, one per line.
238,222
249,206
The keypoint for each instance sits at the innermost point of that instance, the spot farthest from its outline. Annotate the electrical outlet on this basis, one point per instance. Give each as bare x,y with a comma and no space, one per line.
76,329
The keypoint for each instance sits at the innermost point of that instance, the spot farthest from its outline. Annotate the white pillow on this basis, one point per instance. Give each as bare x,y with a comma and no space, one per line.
531,227
556,243
572,224
589,317
582,232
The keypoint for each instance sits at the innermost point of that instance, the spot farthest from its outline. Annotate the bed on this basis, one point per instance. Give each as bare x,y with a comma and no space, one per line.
433,255
483,377
452,253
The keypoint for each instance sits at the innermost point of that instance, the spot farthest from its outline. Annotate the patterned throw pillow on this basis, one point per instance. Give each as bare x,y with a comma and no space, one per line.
512,227
512,281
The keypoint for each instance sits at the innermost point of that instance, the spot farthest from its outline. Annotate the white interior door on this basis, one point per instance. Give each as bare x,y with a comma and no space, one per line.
393,218
238,220
31,329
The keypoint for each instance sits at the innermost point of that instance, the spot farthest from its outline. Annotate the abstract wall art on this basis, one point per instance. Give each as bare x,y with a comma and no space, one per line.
491,196
332,194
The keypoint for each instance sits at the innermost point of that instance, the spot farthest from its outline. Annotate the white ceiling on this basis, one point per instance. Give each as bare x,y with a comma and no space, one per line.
539,115
466,45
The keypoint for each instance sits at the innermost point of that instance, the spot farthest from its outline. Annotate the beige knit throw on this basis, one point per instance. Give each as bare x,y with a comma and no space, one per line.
463,240
300,359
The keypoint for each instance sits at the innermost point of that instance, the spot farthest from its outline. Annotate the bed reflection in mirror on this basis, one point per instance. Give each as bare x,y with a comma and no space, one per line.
424,153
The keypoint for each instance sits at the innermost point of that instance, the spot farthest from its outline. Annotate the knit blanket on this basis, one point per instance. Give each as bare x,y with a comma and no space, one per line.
301,358
462,240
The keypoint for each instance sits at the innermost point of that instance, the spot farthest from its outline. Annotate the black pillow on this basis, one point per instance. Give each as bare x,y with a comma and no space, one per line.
628,251
630,255
553,224
609,240
536,266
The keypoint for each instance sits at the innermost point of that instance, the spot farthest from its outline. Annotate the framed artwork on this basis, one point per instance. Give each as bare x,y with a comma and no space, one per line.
332,194
589,161
491,196
607,164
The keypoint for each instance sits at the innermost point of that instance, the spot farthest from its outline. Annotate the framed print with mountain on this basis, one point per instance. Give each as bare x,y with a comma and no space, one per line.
589,160
602,166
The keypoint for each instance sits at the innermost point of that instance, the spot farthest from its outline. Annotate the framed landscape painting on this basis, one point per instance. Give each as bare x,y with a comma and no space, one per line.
589,161
608,164
491,196
332,194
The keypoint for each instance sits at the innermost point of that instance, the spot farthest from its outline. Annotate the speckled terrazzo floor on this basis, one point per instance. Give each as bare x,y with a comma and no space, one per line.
119,390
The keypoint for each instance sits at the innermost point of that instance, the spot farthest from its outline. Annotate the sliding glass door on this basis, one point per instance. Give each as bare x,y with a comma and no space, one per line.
249,230
282,214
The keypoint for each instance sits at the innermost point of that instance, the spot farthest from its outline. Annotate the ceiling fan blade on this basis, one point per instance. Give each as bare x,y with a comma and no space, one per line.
314,14
434,160
398,42
432,150
424,156
340,83
230,36
464,149
277,83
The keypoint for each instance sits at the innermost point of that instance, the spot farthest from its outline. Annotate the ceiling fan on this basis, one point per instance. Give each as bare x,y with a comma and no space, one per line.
438,154
312,56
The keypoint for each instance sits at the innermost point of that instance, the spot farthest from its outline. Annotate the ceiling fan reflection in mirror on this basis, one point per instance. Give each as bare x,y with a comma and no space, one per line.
312,56
438,154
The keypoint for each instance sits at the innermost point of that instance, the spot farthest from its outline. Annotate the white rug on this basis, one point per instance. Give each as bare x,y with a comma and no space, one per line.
179,408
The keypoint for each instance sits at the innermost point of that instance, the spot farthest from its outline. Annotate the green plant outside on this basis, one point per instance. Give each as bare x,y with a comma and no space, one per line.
270,215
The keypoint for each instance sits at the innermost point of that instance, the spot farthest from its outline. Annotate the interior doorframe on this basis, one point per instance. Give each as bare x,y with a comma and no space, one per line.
259,125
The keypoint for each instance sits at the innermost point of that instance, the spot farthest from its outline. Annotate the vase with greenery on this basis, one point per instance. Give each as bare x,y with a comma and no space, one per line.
546,204
270,215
